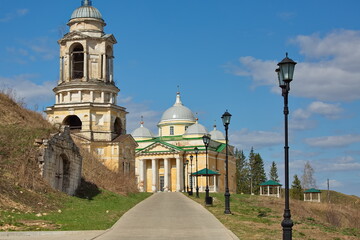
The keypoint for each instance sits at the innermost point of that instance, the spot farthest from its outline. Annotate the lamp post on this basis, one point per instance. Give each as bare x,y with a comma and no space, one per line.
187,175
226,121
197,173
191,182
285,75
208,199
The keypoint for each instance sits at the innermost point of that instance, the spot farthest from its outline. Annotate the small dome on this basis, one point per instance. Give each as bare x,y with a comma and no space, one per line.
178,112
217,135
196,129
142,132
86,11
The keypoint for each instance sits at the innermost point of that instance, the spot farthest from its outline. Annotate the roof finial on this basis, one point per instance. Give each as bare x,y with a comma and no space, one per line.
214,124
142,121
86,3
178,100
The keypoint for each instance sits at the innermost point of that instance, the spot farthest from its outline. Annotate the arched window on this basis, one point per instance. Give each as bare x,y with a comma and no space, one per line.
62,173
77,62
73,121
117,126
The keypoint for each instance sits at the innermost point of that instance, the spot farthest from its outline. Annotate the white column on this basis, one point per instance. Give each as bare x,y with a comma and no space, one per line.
102,97
104,67
215,184
61,70
154,175
319,197
141,175
268,193
278,191
178,174
111,75
85,66
60,97
111,98
167,175
311,197
91,96
260,190
70,65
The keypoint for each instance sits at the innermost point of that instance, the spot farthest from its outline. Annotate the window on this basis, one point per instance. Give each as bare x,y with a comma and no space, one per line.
77,57
171,130
186,127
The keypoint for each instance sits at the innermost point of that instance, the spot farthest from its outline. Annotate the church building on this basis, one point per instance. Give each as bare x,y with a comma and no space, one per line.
173,159
86,93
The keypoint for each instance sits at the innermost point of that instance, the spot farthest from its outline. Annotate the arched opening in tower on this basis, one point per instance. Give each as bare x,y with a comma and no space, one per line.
77,61
117,126
73,121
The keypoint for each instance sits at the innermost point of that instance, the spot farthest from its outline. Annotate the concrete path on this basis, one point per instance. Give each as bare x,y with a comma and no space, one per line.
161,216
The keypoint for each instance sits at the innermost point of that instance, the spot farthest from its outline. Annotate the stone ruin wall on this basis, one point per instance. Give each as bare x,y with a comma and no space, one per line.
60,161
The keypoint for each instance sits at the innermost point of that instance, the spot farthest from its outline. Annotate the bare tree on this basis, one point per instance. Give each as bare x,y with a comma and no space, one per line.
308,180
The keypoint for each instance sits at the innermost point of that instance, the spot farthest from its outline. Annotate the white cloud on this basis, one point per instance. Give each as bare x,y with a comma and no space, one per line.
332,184
10,16
333,141
136,110
245,139
301,117
330,73
25,88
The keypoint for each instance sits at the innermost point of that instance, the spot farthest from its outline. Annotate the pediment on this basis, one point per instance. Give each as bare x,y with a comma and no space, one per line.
159,147
74,35
111,38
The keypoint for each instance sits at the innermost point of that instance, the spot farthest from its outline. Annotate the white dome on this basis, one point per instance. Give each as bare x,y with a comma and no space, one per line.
86,11
178,112
142,132
217,135
196,129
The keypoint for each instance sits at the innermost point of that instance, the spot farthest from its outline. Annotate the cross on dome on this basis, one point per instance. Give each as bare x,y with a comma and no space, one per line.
86,3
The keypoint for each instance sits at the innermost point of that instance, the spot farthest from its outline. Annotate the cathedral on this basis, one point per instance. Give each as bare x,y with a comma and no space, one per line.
86,93
85,100
176,159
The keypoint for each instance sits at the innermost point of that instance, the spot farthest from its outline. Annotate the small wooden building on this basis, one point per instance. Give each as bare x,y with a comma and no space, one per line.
312,195
270,188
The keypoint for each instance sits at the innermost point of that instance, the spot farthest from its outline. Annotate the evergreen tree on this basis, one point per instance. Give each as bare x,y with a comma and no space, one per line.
296,189
273,174
242,173
257,171
308,180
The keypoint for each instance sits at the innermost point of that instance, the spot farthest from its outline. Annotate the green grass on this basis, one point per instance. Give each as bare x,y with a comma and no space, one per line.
256,217
76,214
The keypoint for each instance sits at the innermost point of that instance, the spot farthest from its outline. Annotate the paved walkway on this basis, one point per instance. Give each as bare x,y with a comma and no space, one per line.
161,216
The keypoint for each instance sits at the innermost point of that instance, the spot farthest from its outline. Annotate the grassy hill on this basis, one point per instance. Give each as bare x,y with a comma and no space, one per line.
259,217
27,202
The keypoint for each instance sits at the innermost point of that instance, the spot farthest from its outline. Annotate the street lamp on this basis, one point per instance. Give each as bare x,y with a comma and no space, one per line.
208,199
187,176
285,76
197,173
191,183
226,121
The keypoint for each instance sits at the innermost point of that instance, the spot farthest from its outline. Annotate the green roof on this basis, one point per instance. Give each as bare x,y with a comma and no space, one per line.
270,183
202,172
312,190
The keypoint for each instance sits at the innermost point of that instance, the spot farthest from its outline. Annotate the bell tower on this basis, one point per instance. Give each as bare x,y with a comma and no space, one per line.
85,96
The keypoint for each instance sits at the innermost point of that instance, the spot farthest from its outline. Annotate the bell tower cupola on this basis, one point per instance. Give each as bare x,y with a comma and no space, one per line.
86,93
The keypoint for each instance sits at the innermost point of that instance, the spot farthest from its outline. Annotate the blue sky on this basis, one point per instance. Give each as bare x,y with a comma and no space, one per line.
223,55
